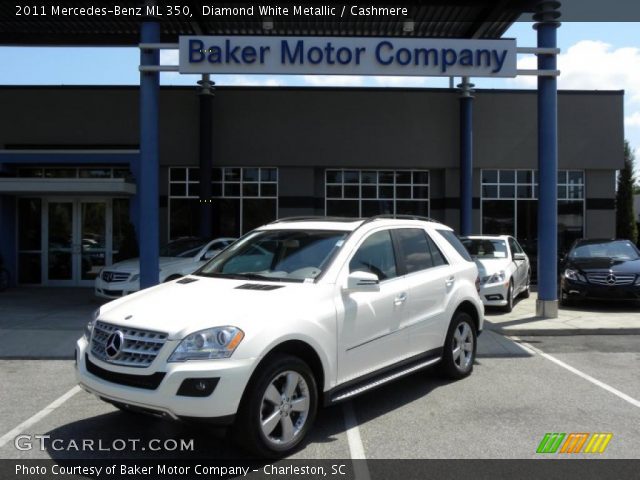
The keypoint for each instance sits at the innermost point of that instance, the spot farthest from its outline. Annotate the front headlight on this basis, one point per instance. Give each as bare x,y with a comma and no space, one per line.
88,328
212,343
497,277
134,277
574,275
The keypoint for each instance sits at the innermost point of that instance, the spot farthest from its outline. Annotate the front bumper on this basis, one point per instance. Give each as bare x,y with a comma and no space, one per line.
114,290
494,294
233,376
580,290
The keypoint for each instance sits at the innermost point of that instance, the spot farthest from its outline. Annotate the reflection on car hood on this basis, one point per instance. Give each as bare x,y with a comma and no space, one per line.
133,265
179,308
604,264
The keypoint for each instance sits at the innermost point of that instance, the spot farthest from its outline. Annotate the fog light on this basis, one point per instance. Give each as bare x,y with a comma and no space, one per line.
197,387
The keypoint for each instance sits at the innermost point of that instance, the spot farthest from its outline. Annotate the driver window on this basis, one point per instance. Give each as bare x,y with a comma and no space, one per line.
375,255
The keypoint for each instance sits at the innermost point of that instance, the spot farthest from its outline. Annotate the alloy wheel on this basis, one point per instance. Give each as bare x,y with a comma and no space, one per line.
284,408
463,346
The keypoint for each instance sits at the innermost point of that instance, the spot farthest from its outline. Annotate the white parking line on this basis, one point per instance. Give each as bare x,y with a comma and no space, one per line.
531,349
356,449
38,416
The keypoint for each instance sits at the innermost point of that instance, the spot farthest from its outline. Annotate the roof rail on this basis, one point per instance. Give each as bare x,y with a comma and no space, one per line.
392,216
316,218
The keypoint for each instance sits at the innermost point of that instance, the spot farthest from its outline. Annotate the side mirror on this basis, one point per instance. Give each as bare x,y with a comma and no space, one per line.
519,256
363,282
209,254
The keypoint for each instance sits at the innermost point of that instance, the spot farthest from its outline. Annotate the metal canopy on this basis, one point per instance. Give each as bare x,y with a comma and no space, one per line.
431,18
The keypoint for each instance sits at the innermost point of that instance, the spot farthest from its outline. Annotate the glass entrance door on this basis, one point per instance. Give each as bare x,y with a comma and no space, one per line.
78,240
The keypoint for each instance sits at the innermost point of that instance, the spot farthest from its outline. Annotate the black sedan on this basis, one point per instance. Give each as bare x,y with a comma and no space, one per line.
601,269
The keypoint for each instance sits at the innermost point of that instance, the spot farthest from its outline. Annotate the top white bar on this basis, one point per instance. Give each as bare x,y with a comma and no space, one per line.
424,57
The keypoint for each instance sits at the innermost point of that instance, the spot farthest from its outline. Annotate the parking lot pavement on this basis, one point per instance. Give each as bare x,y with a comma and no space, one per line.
501,411
43,322
585,318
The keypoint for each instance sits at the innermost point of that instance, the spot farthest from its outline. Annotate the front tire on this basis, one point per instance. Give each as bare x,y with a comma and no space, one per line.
509,306
459,352
278,408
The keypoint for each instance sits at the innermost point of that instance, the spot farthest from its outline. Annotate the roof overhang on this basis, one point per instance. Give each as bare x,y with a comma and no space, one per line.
67,186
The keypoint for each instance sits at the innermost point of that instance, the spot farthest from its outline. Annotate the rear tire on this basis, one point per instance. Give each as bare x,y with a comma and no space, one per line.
527,291
278,407
459,351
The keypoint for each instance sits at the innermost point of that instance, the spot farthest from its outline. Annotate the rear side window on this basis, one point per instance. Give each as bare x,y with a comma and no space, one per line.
450,237
419,252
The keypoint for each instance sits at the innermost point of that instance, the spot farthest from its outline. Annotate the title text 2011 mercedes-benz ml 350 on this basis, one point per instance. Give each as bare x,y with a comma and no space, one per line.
299,313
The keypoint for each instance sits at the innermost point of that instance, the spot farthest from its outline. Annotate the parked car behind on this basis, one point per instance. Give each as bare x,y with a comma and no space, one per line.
297,314
504,269
177,258
601,269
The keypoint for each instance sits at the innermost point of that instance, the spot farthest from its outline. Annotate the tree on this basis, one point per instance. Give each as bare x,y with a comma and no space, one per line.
626,226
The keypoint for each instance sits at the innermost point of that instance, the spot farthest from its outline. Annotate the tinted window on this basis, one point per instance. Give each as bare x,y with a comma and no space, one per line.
450,237
375,255
515,247
436,254
619,249
415,249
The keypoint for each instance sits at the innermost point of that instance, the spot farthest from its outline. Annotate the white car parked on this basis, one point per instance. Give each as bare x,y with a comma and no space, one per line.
505,272
177,258
297,314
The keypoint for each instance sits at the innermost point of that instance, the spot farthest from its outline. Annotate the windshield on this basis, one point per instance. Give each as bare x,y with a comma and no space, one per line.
618,249
280,255
485,247
183,247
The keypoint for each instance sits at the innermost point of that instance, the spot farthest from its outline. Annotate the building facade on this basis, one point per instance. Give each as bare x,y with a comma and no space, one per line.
66,194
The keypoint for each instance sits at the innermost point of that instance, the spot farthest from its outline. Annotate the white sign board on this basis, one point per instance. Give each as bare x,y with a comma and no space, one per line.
424,57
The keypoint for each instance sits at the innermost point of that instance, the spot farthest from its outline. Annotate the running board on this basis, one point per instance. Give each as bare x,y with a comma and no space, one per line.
366,385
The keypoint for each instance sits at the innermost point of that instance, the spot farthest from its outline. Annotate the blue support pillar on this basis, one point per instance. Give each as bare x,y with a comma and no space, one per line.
147,178
547,303
206,92
466,157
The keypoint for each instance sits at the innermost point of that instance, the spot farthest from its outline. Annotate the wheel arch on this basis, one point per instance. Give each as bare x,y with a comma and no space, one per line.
469,308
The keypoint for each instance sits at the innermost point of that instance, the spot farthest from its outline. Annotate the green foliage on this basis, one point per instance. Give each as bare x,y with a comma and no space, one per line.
626,226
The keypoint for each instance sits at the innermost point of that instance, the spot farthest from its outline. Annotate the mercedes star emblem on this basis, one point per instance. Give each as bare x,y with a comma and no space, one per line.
611,279
114,344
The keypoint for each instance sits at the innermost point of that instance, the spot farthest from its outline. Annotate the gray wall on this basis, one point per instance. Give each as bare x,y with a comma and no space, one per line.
322,127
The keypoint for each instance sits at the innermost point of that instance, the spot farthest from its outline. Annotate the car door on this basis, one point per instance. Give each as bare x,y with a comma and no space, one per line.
429,282
369,336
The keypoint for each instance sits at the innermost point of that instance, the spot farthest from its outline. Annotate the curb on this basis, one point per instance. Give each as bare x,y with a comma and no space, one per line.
560,332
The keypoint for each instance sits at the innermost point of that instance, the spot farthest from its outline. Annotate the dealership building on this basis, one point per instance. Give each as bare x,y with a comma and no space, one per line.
78,164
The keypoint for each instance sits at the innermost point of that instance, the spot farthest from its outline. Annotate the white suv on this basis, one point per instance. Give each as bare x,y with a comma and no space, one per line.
299,313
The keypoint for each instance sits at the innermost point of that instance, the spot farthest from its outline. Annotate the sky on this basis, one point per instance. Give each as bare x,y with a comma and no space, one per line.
594,56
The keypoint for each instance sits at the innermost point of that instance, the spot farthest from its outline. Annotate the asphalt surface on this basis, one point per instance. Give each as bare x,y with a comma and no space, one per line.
501,411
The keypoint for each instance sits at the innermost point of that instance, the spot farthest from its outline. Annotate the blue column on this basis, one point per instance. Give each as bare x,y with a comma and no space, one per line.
206,156
547,303
466,157
148,205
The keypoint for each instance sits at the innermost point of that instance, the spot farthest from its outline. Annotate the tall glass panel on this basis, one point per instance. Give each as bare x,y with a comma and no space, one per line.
93,227
29,240
60,243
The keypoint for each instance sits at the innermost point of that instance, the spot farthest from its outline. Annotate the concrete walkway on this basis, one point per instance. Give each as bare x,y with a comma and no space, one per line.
587,318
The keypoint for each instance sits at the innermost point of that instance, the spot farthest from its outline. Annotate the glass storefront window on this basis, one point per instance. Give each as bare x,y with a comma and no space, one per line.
243,198
366,193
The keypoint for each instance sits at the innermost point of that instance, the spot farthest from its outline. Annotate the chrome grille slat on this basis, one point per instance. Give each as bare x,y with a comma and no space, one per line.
603,279
112,277
139,349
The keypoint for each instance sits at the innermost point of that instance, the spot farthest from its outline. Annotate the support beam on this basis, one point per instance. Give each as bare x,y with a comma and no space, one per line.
466,156
546,26
206,92
147,174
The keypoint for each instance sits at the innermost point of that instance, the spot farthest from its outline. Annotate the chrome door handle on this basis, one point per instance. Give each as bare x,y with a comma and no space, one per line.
450,281
400,299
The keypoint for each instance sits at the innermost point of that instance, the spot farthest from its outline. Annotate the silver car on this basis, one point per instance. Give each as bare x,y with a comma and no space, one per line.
503,266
